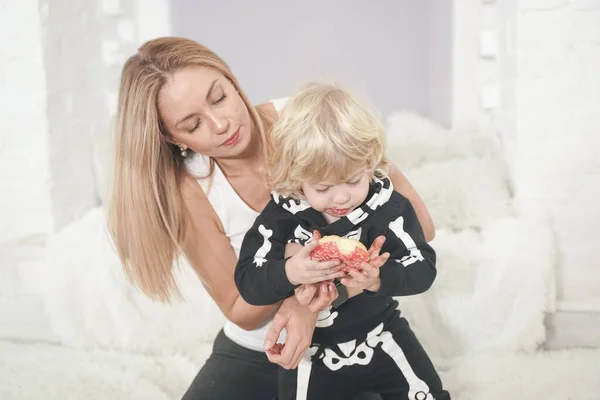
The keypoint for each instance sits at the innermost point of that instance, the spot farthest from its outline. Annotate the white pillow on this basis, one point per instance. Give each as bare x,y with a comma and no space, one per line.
91,304
414,141
491,292
463,193
461,176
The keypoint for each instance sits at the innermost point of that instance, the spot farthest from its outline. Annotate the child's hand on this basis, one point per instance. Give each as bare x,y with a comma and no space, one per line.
292,248
368,279
301,269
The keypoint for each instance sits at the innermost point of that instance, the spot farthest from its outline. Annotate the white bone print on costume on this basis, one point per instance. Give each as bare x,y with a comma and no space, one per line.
417,389
301,235
326,318
354,234
355,355
293,207
363,354
376,201
259,257
289,203
382,197
415,255
357,216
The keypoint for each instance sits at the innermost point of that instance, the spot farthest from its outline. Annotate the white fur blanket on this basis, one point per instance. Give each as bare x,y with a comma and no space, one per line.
36,371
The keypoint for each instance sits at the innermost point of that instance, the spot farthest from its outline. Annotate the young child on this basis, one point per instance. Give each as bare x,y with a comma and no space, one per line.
326,166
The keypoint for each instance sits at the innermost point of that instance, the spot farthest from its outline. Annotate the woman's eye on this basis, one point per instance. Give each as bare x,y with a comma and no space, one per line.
220,99
352,183
321,190
195,127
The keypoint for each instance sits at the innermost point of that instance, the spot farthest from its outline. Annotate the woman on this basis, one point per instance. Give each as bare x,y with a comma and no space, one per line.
189,177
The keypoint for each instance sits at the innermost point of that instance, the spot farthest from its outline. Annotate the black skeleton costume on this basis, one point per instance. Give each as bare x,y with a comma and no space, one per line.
354,343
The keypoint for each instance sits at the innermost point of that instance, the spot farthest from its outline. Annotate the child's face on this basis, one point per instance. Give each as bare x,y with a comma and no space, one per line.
336,199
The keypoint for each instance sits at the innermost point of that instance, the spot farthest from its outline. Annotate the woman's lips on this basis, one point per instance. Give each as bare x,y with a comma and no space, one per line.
233,139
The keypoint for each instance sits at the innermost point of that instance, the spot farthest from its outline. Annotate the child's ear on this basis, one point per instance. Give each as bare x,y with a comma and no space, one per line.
299,193
379,173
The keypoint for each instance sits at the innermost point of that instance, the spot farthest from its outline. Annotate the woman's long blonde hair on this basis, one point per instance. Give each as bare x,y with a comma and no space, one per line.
145,211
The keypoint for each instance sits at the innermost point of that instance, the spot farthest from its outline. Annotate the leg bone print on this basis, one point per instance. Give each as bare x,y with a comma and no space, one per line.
363,354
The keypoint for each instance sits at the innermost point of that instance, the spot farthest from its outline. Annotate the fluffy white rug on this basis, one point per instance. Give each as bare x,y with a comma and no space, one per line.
49,372
558,375
36,371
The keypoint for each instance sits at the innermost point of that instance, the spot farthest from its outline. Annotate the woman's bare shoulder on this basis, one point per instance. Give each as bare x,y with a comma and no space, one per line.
196,202
268,109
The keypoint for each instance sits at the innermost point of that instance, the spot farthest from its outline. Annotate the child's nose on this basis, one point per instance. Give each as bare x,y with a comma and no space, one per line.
342,197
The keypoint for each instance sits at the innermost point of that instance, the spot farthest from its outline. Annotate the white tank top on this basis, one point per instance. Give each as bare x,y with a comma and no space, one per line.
237,218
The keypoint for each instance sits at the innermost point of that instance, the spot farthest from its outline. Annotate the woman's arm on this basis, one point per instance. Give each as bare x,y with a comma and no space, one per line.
210,253
403,186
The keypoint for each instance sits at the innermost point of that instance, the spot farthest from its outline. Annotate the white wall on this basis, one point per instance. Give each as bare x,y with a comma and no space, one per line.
545,73
441,27
25,206
60,64
382,49
25,202
76,75
483,65
59,69
558,150
85,46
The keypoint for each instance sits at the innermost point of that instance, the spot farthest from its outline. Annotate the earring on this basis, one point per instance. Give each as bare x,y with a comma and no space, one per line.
183,152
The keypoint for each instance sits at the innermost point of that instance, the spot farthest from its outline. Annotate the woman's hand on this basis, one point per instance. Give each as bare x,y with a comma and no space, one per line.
301,269
299,322
317,296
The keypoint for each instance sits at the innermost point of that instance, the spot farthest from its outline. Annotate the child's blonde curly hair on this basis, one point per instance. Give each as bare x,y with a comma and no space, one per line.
323,132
